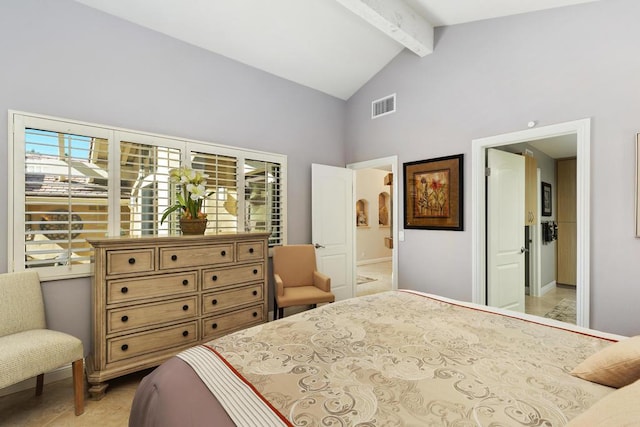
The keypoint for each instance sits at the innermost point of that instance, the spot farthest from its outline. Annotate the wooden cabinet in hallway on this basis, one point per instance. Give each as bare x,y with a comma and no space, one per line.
566,215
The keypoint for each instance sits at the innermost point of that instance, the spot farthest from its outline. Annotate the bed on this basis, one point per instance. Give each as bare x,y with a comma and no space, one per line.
396,358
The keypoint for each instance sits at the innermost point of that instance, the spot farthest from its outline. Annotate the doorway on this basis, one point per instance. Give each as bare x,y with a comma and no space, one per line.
375,225
544,287
581,130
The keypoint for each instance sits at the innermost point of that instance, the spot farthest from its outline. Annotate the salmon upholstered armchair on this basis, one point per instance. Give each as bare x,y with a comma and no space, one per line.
27,348
297,282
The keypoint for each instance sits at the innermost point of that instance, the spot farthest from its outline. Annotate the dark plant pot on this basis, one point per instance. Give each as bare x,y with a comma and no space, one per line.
193,226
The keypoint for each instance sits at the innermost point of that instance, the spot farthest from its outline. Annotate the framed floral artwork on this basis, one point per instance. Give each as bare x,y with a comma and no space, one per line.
433,193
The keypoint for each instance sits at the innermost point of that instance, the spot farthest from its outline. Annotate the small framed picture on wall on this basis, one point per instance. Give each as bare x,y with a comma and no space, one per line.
546,199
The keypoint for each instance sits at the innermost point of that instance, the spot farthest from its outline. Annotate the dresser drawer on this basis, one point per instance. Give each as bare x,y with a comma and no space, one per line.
130,261
217,277
219,325
146,342
222,300
122,319
195,256
248,251
151,286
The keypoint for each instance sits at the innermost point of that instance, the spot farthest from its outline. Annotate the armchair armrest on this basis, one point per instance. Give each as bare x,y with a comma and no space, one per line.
279,286
321,281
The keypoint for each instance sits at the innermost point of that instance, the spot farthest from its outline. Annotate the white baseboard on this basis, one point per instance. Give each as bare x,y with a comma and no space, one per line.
53,376
373,261
548,287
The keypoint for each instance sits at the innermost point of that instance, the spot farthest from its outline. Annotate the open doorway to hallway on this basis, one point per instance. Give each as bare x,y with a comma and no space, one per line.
580,202
376,207
549,248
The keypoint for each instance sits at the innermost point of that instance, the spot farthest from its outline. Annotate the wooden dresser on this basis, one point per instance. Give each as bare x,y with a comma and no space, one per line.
154,296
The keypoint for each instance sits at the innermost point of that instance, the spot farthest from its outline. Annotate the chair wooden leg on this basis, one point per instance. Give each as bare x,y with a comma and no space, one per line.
39,384
281,313
275,309
78,386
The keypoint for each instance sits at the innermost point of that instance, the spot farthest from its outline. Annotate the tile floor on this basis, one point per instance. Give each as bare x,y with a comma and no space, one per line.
55,406
540,306
381,272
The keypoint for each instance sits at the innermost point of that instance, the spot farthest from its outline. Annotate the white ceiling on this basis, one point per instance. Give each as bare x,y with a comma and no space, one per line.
557,147
317,43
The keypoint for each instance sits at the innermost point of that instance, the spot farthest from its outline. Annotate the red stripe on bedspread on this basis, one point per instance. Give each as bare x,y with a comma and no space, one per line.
417,293
248,383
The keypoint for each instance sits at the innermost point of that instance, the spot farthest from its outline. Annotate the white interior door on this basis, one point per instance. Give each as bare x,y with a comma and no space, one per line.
505,230
332,225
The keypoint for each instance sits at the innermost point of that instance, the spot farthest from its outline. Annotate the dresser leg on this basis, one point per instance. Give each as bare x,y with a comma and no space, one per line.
96,391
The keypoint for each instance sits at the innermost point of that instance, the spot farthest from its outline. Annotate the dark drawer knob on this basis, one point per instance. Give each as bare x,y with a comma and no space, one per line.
223,253
255,271
255,293
174,257
214,277
255,314
132,260
185,282
250,250
124,347
185,307
185,333
214,326
124,318
124,290
214,302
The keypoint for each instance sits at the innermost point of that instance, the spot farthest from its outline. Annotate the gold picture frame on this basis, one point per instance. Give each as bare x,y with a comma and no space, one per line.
433,194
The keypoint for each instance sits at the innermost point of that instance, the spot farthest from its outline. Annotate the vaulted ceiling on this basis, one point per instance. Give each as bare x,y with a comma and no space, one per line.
334,46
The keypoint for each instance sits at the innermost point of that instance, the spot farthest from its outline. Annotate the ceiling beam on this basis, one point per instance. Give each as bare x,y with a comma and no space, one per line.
397,20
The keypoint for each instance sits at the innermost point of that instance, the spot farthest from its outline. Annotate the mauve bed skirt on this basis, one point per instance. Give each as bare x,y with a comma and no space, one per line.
173,395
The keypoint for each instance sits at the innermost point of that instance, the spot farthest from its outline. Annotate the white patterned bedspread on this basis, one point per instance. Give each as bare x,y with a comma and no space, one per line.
407,359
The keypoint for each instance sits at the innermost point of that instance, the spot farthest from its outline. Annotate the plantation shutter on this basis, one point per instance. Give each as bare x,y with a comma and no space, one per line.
145,190
221,207
65,196
71,182
263,199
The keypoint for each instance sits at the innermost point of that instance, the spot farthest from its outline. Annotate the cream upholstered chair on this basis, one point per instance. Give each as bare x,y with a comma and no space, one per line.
27,348
296,280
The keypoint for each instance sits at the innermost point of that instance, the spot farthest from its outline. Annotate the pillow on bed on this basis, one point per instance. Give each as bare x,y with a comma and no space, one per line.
619,408
615,366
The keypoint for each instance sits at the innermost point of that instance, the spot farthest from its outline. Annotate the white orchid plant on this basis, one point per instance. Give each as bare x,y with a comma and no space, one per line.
191,192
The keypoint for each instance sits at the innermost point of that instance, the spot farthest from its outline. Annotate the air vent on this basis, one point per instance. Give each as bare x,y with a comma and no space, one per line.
383,106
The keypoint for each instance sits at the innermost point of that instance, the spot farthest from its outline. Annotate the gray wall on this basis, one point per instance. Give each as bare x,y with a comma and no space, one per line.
63,59
492,77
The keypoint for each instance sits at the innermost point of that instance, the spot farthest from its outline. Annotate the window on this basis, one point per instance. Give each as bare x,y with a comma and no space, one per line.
263,200
222,206
71,182
143,165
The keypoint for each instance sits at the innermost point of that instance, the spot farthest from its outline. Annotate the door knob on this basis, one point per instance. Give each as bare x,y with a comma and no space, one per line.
317,246
523,250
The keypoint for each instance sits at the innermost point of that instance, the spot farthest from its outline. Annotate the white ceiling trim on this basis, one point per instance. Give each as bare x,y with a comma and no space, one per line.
396,20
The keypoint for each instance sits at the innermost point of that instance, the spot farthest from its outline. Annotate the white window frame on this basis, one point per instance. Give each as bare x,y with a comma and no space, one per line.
18,121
